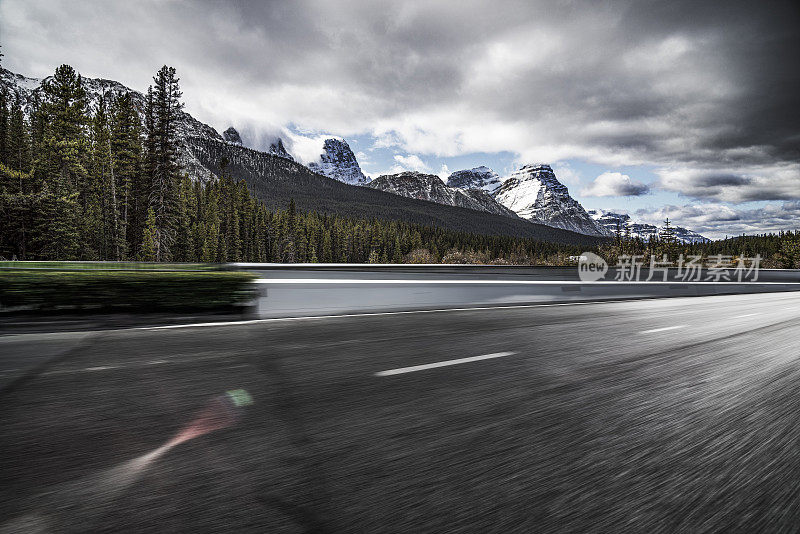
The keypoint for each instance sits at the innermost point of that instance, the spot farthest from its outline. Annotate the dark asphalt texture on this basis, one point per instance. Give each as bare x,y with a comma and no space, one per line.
599,422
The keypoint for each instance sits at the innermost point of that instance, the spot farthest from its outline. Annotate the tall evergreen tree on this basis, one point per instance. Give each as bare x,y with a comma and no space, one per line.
126,156
148,248
4,120
64,111
17,141
98,212
164,107
60,166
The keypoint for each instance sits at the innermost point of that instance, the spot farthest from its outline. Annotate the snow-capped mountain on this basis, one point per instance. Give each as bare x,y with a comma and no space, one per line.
276,179
431,188
478,178
534,193
276,148
337,161
232,136
610,219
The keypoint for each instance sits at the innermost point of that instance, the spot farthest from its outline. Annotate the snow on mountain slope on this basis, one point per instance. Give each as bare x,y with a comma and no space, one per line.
232,136
534,193
277,149
478,178
431,188
609,220
337,161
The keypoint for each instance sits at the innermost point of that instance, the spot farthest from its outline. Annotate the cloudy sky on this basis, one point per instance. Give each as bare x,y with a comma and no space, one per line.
686,109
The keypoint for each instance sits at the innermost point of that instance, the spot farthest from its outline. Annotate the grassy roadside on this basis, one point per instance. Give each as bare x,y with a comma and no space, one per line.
47,290
108,266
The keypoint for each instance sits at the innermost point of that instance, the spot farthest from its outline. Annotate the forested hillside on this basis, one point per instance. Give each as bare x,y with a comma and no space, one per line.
276,180
102,180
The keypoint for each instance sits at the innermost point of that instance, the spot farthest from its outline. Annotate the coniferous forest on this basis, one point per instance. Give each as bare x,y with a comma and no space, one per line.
100,180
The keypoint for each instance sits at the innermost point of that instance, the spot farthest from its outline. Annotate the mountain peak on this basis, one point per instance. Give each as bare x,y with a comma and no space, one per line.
476,178
533,192
644,231
277,149
422,186
232,136
337,161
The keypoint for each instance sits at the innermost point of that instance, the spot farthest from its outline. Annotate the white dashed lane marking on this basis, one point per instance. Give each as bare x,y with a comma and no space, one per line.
663,329
446,363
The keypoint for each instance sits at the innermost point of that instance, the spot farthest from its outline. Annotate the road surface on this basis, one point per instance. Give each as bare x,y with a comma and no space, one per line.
658,415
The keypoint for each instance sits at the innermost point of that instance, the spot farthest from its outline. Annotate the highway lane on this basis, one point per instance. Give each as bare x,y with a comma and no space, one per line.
651,415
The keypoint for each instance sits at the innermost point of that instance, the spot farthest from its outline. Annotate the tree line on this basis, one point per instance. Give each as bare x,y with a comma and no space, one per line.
777,250
100,179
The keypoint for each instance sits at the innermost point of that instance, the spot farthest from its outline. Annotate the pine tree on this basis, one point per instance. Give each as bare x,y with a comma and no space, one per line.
4,120
126,156
666,238
62,161
397,252
16,214
667,233
55,232
148,248
100,221
17,143
57,184
164,107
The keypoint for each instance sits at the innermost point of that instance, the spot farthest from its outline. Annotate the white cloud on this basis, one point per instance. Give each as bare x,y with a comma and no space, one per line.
306,148
715,220
411,162
615,184
677,85
566,174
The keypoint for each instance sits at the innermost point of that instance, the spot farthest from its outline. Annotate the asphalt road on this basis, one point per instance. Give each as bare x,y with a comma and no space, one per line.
641,416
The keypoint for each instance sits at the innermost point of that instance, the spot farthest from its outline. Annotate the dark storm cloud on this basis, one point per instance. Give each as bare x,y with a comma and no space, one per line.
707,91
717,180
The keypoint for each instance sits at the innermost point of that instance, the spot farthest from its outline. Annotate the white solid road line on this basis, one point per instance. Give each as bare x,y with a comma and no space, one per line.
745,315
401,281
402,370
664,329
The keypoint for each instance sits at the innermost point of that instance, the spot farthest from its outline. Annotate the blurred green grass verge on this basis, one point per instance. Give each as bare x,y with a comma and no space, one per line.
138,291
110,266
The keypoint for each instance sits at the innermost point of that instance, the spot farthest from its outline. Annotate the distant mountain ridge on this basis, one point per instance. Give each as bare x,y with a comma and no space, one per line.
532,193
477,178
201,148
276,180
430,187
643,231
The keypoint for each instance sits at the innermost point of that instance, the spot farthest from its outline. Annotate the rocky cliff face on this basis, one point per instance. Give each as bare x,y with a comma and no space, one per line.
534,193
232,136
337,161
478,178
431,188
277,149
